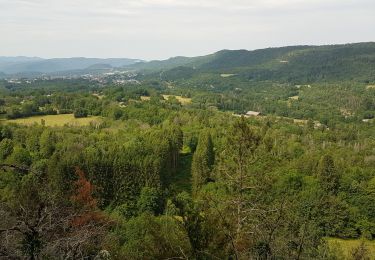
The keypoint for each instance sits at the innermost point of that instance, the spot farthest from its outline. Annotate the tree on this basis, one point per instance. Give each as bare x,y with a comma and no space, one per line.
149,201
44,226
150,237
84,201
47,143
327,175
175,138
203,161
241,185
6,148
80,112
20,156
192,222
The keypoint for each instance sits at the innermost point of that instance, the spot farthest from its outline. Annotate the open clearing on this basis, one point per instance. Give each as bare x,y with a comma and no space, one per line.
182,100
227,75
294,98
56,120
145,98
99,96
346,246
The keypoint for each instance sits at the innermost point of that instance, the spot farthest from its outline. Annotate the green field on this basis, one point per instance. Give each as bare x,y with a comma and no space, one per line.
182,100
145,98
345,247
56,120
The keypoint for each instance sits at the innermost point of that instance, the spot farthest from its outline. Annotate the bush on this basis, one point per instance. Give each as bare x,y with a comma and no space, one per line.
80,112
65,111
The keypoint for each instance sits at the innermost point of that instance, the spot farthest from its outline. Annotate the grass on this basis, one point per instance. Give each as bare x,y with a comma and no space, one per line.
98,96
56,120
145,98
344,247
182,100
294,98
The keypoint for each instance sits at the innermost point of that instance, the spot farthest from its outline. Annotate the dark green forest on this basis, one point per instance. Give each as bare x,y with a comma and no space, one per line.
159,178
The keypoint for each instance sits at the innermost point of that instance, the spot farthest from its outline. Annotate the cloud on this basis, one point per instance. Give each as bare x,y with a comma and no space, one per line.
162,28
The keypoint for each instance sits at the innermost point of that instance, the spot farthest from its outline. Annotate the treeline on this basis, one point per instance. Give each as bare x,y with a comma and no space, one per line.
294,64
42,165
330,104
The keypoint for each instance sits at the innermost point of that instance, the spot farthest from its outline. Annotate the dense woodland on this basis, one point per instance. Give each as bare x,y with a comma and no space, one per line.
158,179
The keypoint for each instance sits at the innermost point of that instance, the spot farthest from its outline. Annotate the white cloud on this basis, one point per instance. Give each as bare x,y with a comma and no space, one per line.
162,28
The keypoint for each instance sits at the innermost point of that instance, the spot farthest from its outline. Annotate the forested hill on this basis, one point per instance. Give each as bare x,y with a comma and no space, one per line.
296,64
354,62
27,65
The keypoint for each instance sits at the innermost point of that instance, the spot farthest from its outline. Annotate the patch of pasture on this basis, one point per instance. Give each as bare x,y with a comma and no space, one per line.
145,98
182,100
345,247
56,120
294,98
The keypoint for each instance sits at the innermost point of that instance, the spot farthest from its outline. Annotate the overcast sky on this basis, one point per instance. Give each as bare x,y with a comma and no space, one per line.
158,29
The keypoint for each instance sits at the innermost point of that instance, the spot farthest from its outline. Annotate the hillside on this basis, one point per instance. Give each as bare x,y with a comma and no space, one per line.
26,65
302,64
296,63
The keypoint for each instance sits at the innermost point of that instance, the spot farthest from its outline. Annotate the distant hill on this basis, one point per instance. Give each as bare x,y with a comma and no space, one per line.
289,64
221,59
99,67
19,65
293,63
4,59
170,63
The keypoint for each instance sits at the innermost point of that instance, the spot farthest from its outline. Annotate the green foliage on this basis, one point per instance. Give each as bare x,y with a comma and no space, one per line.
47,143
328,175
6,148
149,237
80,112
202,162
195,181
20,156
149,201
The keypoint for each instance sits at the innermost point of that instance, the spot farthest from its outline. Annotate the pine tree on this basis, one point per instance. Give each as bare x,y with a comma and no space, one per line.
241,184
328,175
47,143
203,161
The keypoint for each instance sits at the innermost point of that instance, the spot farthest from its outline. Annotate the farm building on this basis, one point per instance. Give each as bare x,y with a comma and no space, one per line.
252,113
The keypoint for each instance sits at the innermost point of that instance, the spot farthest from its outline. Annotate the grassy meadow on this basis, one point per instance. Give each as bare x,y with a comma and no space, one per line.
56,120
346,247
184,101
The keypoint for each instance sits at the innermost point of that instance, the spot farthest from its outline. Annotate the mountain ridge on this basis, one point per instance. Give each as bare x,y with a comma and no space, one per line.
303,63
300,62
19,65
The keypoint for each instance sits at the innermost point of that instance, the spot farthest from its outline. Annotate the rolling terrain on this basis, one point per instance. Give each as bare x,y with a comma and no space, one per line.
22,66
288,64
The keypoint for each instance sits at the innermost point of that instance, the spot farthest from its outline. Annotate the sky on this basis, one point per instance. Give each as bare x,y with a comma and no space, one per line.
159,29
